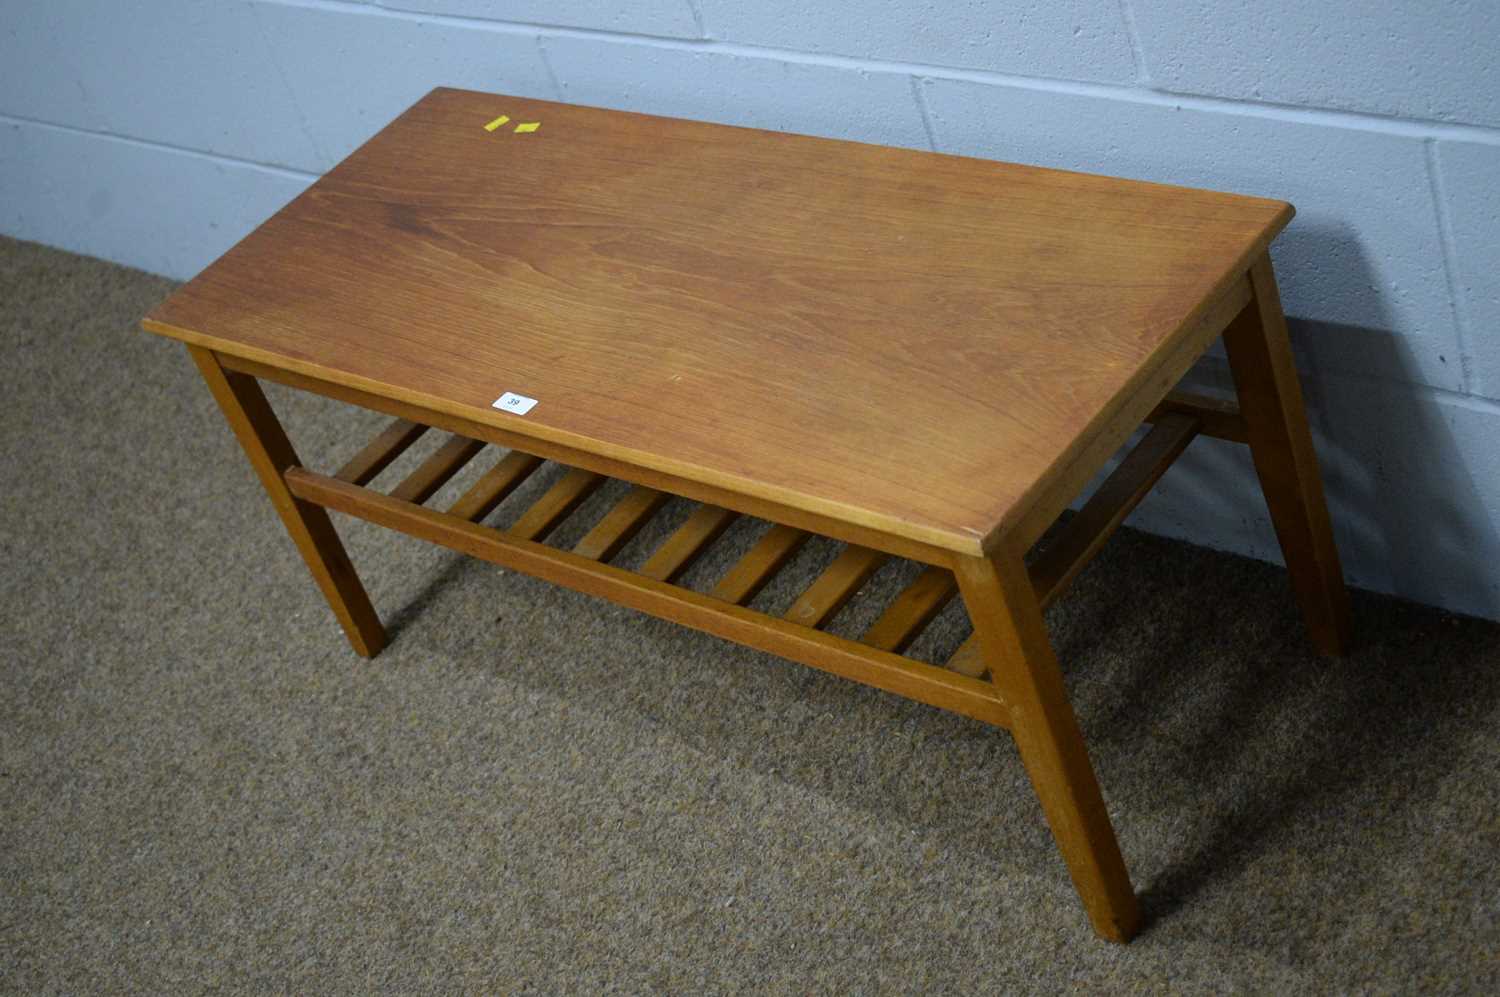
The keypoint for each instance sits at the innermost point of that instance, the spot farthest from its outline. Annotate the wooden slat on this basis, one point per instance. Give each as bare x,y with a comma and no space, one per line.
621,523
969,659
1217,417
435,471
567,494
495,485
893,673
912,610
379,452
706,524
750,573
1107,508
835,586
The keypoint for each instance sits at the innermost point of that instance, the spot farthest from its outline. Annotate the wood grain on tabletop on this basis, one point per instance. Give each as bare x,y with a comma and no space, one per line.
910,341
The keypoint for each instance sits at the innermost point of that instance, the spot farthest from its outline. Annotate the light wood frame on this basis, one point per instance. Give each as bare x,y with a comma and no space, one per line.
1005,675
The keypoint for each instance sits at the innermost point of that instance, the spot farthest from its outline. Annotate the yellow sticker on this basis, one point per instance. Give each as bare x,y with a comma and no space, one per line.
528,126
497,123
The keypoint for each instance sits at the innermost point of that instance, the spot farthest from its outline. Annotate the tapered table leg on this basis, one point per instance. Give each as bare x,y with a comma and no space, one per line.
1265,377
1008,619
271,453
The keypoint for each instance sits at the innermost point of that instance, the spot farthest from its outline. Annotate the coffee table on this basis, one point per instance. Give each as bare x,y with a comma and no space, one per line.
920,356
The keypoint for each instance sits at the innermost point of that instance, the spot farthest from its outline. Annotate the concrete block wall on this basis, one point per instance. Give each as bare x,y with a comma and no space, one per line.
158,132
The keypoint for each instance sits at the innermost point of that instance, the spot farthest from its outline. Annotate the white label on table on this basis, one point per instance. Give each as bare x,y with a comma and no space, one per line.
513,403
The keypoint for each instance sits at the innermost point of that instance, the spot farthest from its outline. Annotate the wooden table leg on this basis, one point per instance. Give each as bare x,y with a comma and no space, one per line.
1008,619
1265,377
271,453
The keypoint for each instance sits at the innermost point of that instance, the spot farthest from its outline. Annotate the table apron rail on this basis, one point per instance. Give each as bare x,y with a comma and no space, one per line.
1150,397
1217,417
892,672
840,529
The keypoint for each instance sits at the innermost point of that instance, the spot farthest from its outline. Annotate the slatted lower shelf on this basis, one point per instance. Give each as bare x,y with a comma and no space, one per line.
875,659
850,659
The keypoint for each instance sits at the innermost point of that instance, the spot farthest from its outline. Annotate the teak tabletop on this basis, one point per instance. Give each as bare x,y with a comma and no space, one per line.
920,344
918,356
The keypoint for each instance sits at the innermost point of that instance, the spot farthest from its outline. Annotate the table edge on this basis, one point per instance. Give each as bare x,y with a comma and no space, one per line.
1064,474
959,541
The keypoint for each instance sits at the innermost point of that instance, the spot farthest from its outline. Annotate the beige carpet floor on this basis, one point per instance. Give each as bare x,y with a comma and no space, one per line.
203,790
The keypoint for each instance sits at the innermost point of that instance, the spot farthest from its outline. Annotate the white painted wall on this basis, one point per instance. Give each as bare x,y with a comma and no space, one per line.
158,132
